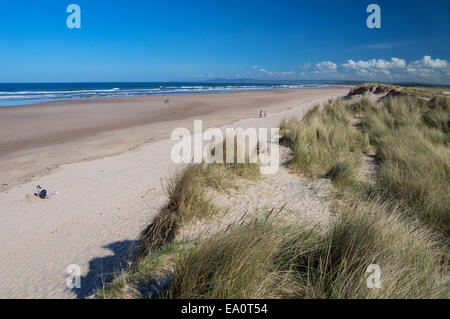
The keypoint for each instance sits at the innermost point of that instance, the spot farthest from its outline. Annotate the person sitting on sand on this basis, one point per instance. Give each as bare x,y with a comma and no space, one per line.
40,192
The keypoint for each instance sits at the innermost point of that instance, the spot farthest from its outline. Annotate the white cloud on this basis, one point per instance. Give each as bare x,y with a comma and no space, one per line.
326,66
393,69
376,65
428,63
430,69
264,73
424,69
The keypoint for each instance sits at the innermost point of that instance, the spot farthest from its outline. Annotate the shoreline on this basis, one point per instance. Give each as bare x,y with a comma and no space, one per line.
130,98
37,139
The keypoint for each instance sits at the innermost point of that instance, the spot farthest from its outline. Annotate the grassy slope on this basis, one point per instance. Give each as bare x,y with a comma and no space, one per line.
265,260
325,144
411,137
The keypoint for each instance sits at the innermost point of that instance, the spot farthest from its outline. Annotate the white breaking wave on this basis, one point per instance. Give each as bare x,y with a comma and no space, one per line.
39,96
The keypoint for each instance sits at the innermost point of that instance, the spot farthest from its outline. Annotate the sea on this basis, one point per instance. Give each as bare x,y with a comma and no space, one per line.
13,94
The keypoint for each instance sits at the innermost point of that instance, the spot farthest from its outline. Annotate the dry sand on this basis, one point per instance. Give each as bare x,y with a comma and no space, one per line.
105,202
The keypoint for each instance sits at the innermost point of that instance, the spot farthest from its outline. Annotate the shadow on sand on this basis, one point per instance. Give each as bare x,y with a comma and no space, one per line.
103,269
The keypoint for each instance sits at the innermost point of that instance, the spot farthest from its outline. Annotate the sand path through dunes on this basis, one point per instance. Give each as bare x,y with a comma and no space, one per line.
101,207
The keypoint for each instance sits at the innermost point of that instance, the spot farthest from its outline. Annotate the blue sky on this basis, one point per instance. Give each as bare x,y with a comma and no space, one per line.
145,40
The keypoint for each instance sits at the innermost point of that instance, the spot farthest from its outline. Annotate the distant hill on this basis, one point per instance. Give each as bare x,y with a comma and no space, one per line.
240,81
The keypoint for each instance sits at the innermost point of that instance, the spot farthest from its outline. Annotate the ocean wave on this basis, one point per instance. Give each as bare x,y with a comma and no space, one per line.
41,94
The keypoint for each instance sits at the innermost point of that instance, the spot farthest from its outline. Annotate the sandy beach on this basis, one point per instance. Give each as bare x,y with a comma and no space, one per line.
37,139
108,160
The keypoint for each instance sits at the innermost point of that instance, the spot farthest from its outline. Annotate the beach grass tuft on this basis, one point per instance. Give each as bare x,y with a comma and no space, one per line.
265,259
324,143
414,156
187,191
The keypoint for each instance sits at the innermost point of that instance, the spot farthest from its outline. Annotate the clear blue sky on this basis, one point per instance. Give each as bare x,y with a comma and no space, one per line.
144,40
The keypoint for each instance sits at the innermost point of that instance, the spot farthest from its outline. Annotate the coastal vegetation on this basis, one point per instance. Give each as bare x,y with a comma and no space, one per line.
410,136
396,218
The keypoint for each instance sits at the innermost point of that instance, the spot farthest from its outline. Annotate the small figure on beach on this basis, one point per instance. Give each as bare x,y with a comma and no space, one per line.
262,114
40,192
